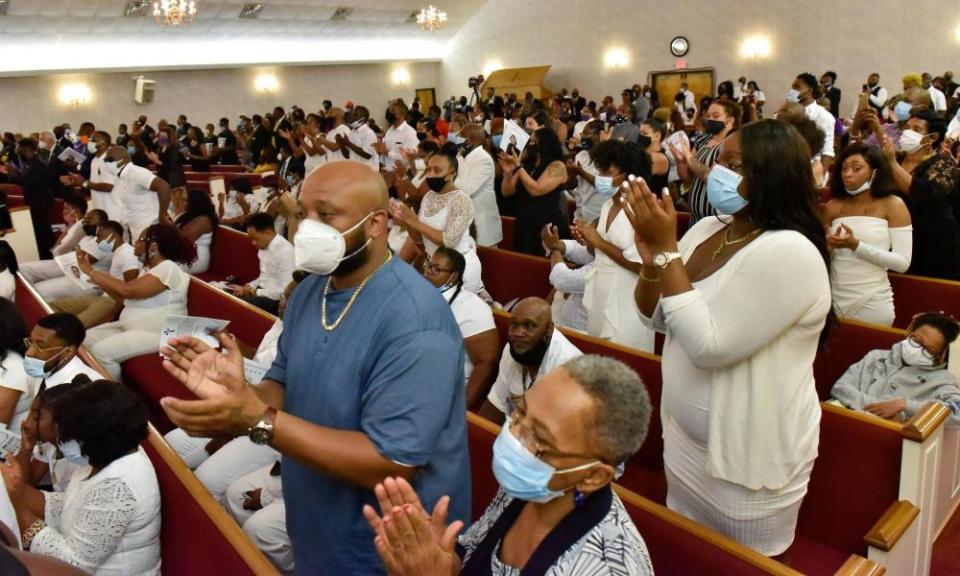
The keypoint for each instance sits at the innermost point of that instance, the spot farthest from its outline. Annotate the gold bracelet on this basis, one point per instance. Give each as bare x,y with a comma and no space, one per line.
31,533
646,278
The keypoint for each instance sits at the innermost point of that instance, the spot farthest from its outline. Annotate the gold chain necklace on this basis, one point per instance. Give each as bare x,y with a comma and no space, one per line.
726,242
353,298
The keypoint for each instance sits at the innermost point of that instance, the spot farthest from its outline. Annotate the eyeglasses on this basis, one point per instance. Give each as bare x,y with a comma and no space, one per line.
434,269
516,415
927,352
28,343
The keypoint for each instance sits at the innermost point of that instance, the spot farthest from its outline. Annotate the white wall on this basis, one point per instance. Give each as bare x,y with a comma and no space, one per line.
852,37
30,104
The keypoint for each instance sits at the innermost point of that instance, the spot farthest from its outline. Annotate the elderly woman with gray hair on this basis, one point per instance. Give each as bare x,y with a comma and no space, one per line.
555,512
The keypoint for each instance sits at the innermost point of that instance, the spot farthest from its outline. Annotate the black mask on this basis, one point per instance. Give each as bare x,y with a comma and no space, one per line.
714,126
89,229
644,141
391,117
872,85
533,356
421,136
436,183
586,143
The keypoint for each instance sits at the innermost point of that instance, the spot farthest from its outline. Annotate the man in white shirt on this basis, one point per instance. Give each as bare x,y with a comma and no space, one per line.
475,177
399,136
109,253
331,141
100,184
276,265
145,196
535,347
360,143
587,114
805,90
585,194
256,502
46,275
74,210
878,94
689,99
937,96
54,341
569,283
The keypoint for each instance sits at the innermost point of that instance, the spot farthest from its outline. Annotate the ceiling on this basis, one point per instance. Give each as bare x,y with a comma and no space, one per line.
381,28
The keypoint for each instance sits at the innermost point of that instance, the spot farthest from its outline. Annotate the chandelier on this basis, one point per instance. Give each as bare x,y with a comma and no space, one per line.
174,12
431,19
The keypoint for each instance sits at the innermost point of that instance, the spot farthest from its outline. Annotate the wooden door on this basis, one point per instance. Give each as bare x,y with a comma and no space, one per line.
428,97
667,84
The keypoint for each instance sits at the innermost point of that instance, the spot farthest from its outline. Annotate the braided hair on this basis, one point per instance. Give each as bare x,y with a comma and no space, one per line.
458,264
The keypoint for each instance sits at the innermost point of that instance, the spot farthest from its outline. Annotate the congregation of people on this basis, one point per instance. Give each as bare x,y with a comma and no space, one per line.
349,455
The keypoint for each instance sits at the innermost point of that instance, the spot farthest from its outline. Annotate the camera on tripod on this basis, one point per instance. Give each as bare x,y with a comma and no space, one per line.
474,82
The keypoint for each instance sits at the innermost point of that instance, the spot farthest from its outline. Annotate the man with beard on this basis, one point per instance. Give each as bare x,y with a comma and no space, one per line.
535,347
367,381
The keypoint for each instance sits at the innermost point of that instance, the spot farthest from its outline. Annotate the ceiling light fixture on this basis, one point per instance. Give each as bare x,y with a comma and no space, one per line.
136,8
431,19
174,12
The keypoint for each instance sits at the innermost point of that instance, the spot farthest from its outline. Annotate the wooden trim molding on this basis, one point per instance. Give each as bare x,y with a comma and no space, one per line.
925,279
925,422
223,294
862,417
874,327
885,534
33,292
860,566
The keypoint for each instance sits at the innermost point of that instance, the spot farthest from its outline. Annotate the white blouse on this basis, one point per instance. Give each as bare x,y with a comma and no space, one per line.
473,316
173,300
108,524
743,342
13,377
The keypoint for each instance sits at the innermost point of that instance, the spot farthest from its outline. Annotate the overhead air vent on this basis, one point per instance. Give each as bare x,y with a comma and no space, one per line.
341,14
4,4
251,11
136,8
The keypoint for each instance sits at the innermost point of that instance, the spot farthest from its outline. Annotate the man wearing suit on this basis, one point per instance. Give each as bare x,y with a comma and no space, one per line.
831,92
475,177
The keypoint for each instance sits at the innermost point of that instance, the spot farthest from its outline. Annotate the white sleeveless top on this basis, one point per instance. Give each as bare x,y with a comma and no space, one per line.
202,263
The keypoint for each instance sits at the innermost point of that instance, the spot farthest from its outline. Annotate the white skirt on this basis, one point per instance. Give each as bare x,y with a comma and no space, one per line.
764,520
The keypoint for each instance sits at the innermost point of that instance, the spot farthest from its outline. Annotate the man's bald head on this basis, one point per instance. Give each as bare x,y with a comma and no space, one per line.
792,112
473,134
117,154
336,113
532,307
531,328
346,182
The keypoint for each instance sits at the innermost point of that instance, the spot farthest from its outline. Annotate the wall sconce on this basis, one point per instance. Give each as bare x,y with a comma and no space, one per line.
616,58
400,77
267,83
491,66
75,94
755,47
956,33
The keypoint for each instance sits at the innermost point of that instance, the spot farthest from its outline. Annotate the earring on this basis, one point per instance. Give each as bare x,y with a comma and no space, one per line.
578,498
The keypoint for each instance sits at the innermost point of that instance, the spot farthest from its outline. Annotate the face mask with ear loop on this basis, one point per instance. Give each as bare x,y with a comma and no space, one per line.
319,248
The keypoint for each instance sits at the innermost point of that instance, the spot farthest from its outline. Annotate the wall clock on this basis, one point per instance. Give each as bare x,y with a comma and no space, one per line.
679,46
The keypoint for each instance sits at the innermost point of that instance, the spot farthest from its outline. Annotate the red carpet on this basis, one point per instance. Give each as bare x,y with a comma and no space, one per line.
946,550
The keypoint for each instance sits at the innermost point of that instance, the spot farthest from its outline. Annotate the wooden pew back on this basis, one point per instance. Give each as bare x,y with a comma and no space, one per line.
232,254
915,294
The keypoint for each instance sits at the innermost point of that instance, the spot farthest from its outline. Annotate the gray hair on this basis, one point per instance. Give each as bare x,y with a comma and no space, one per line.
623,404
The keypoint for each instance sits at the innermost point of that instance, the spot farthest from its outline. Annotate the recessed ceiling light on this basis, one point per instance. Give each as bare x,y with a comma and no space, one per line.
251,10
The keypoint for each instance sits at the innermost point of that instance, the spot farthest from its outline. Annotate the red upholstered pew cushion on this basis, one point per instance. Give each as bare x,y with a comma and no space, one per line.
915,294
855,479
31,306
509,275
12,190
227,177
508,223
232,254
847,344
192,544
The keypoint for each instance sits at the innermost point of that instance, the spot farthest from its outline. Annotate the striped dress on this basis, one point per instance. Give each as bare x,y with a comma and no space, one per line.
699,204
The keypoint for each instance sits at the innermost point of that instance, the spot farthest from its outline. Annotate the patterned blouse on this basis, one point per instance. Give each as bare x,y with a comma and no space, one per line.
612,548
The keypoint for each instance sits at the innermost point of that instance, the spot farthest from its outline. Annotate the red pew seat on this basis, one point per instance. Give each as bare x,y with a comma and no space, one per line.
232,254
509,275
915,294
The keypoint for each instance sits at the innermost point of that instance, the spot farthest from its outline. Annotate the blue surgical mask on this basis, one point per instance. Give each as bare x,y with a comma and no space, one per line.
793,95
722,184
131,150
902,110
34,367
455,139
72,453
290,180
521,474
106,246
496,140
604,185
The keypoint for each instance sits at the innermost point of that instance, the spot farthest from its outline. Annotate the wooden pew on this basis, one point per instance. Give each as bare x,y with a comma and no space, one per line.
511,275
677,545
55,213
227,177
232,254
146,374
915,294
197,535
853,446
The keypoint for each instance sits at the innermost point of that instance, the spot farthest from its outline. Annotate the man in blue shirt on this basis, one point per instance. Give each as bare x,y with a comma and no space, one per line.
367,383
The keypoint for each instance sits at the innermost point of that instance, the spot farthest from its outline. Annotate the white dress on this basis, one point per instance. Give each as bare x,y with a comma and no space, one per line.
8,285
202,263
859,282
740,409
473,316
108,524
453,213
608,298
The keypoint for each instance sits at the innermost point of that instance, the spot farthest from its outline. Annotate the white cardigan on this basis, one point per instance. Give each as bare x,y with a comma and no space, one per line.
752,337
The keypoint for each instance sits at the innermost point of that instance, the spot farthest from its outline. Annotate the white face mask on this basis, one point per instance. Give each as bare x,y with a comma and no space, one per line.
863,187
319,248
92,147
112,168
910,141
913,355
420,164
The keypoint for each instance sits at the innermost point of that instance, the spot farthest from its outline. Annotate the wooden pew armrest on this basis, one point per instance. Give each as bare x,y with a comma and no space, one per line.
887,531
925,422
860,566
